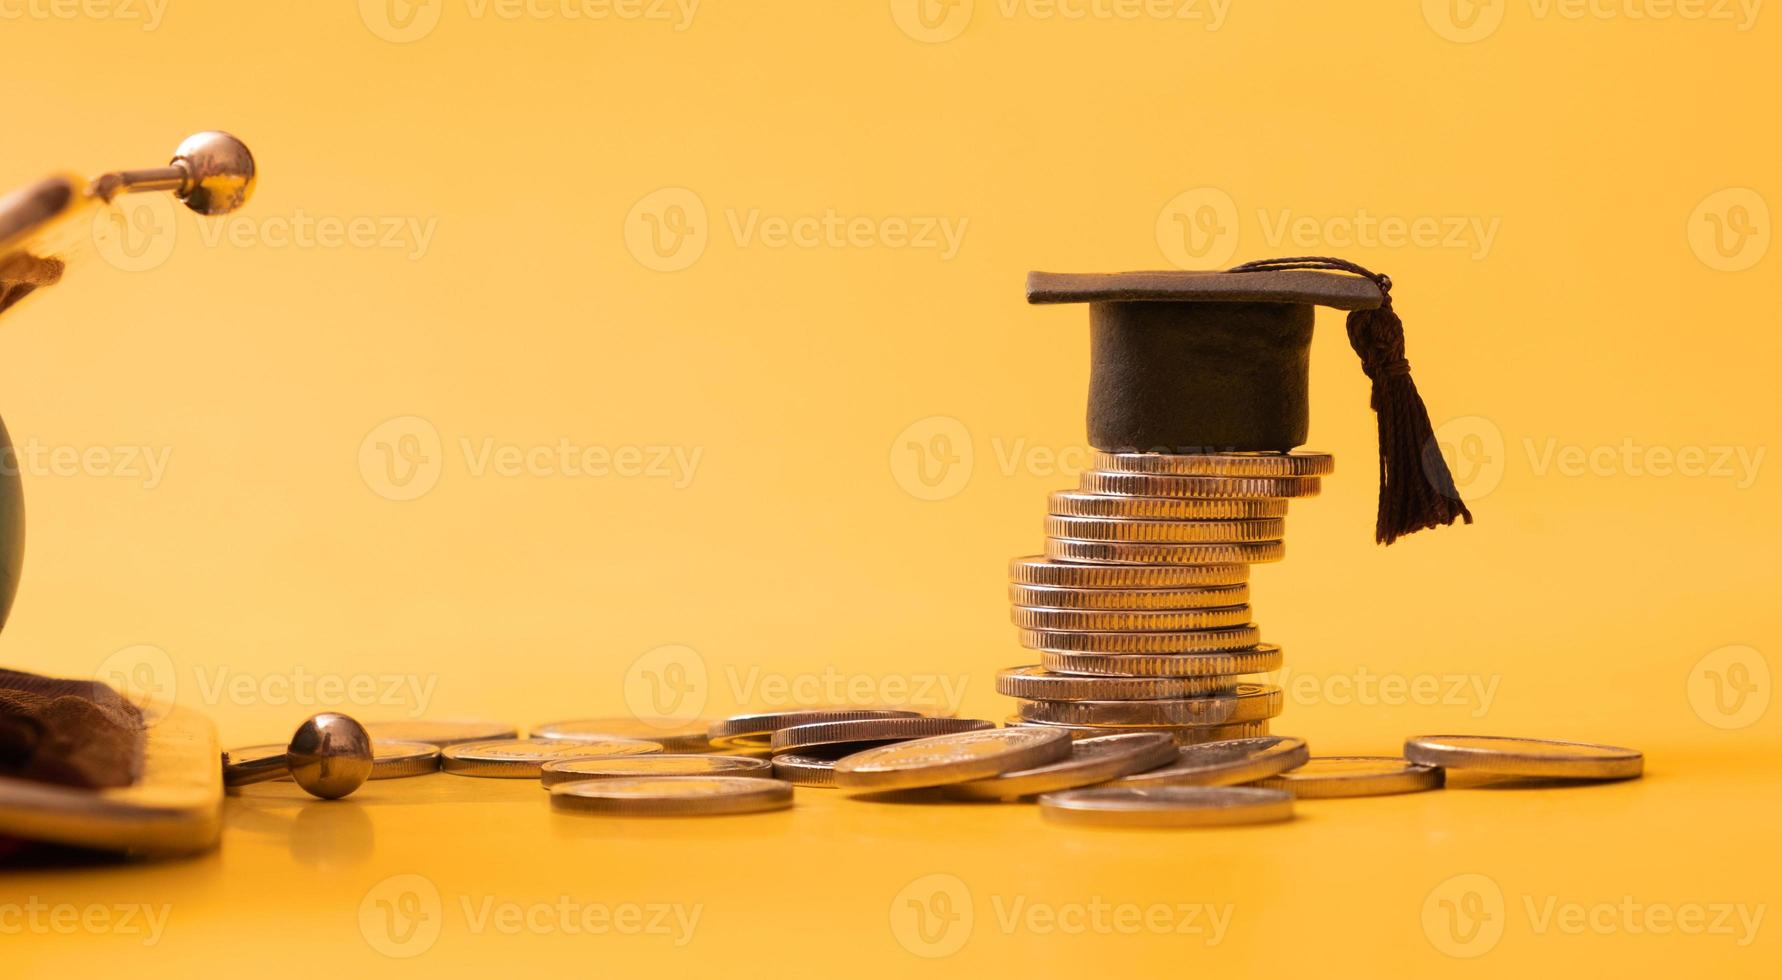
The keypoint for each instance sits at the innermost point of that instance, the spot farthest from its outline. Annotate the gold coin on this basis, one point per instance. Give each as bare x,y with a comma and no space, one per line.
804,770
1040,570
672,796
1210,487
1167,806
1259,659
1166,532
1183,734
390,759
1091,761
1076,503
624,767
1534,758
1250,702
1140,553
1039,684
672,734
440,733
1232,640
819,737
1300,463
1225,763
753,732
1053,597
524,758
1119,620
1330,776
946,759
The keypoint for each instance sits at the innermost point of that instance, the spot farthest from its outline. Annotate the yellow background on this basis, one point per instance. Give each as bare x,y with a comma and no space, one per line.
1602,314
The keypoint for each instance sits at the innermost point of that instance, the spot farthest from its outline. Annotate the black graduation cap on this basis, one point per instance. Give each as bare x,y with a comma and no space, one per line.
1215,362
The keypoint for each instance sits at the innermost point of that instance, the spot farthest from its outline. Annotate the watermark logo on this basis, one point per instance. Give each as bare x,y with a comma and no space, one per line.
401,21
1198,229
149,13
1464,21
147,465
1201,229
932,458
1464,916
407,21
137,232
667,229
1472,446
402,458
142,674
669,682
1729,688
35,917
932,21
402,916
932,916
1729,231
1361,686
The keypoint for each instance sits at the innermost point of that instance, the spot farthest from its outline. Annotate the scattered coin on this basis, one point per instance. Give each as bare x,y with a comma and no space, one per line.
946,759
1225,763
1118,620
673,735
524,758
1167,806
440,733
389,759
1039,684
1250,702
1211,487
1040,570
1324,777
1091,760
673,796
804,770
1231,640
817,737
1529,757
623,767
754,731
1053,597
1142,553
1075,503
1182,734
1165,532
1258,659
1298,463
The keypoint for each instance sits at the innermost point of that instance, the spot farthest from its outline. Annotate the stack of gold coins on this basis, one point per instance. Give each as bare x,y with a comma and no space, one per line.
1140,606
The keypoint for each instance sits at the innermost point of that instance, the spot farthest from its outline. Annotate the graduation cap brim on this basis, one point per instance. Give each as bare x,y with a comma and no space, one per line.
1302,287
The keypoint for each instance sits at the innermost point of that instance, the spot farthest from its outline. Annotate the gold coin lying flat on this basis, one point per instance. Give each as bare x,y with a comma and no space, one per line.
1225,763
1120,620
1143,553
1250,702
1135,600
440,733
625,767
1091,761
1300,463
673,796
804,770
1040,570
1166,532
1259,659
1039,684
1210,487
754,731
1167,806
820,738
1330,776
947,759
524,758
389,759
1535,758
1076,503
1182,734
672,735
1229,640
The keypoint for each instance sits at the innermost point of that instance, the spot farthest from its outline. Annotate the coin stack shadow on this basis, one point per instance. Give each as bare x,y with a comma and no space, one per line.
1139,607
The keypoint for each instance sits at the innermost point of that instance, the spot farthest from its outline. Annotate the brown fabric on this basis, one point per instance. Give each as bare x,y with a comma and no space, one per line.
22,274
73,733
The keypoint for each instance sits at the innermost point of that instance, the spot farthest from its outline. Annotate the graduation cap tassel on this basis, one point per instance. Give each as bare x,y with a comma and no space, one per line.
1416,489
